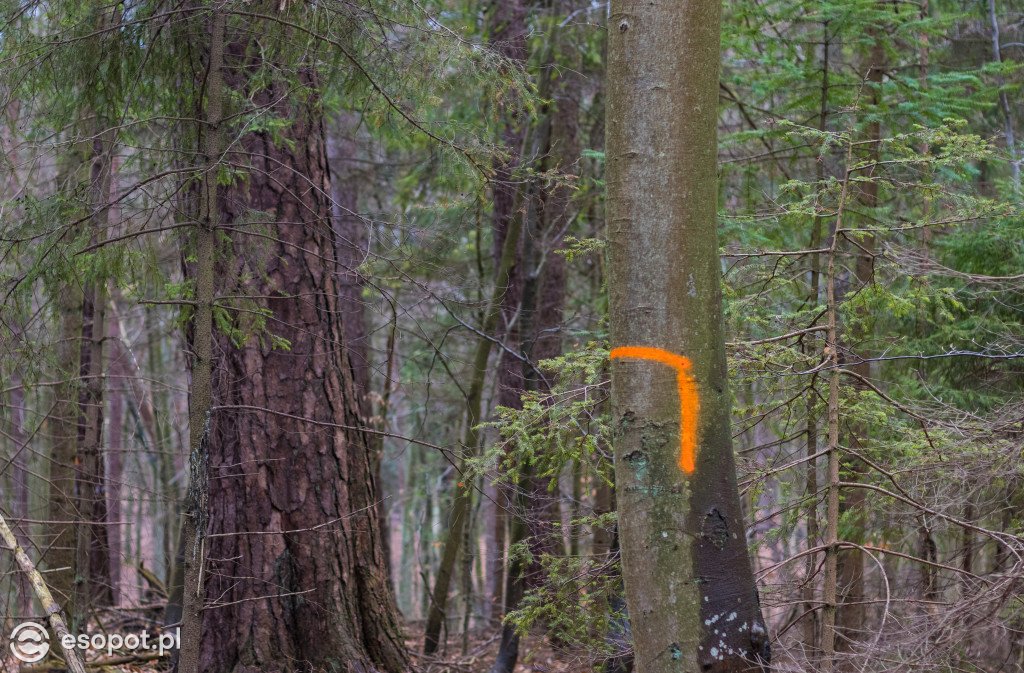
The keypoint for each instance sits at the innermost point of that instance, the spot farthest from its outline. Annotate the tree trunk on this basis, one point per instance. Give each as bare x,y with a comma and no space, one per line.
850,618
460,498
811,483
527,522
1004,102
351,248
692,599
541,315
114,470
92,548
19,457
508,38
197,506
60,538
296,575
830,598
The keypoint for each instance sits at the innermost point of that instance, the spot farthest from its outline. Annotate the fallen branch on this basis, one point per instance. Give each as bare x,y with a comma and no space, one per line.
60,629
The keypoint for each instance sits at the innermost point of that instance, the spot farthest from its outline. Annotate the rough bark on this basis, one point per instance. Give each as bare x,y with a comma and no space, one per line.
91,563
692,599
508,38
92,548
466,575
62,511
296,575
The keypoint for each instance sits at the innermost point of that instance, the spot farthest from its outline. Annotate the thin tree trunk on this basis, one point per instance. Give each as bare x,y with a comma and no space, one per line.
829,589
576,473
830,597
19,458
406,587
541,316
460,499
967,565
114,471
508,38
467,581
1004,101
811,488
426,538
62,511
526,513
91,563
928,552
850,619
197,512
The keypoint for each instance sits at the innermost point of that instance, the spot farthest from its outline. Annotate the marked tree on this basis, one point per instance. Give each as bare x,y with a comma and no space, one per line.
689,587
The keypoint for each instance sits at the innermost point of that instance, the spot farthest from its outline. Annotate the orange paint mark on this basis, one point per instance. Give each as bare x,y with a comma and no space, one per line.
689,401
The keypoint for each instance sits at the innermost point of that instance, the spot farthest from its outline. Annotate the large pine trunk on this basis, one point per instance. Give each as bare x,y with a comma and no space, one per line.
296,573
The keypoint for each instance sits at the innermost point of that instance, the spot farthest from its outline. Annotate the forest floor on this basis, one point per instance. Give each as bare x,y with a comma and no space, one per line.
536,654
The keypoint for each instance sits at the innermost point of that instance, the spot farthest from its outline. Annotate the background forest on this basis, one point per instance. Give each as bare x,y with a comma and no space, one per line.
315,293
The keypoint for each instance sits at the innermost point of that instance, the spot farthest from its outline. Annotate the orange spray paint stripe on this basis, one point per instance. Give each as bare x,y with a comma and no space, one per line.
689,402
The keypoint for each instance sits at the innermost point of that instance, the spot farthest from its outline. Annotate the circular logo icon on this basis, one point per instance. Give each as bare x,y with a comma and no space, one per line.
29,642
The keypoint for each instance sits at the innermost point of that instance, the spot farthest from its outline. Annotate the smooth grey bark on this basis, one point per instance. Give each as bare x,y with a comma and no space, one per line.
689,586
